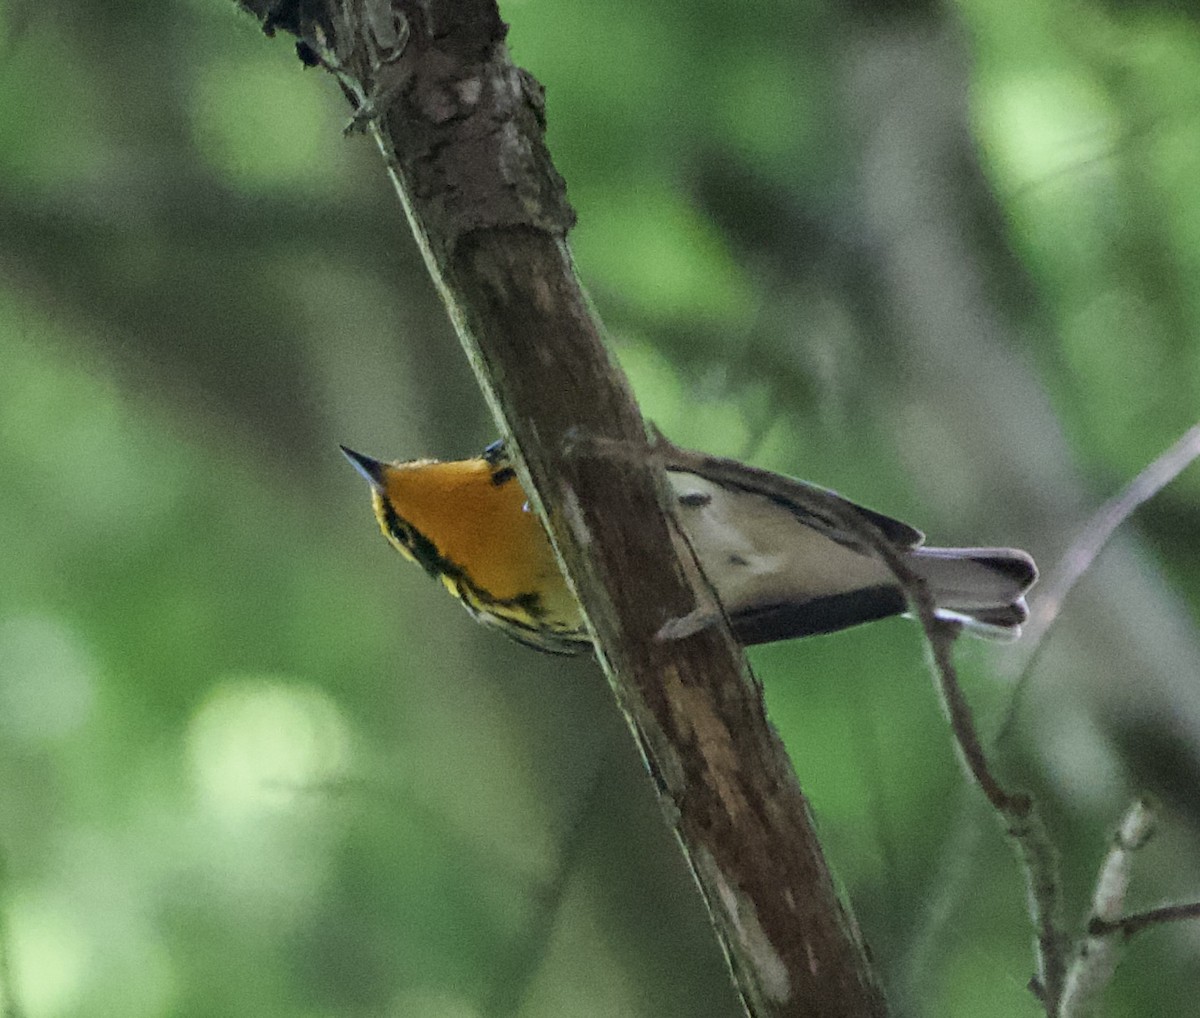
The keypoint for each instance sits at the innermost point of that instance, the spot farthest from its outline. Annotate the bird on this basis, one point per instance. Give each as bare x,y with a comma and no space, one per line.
781,568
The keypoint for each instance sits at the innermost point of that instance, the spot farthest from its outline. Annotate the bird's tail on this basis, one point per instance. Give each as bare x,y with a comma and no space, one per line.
983,588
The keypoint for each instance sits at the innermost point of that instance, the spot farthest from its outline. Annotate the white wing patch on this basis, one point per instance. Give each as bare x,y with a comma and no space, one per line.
756,552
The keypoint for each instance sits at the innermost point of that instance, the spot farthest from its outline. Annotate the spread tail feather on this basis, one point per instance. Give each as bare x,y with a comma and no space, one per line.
983,588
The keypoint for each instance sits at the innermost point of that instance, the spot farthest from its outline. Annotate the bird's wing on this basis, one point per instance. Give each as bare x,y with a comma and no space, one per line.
812,505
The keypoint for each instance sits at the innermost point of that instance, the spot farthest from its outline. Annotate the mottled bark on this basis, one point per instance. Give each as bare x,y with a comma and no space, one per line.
461,130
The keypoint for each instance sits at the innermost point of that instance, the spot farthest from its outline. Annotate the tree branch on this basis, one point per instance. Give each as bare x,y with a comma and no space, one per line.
1087,546
461,130
1015,810
1095,958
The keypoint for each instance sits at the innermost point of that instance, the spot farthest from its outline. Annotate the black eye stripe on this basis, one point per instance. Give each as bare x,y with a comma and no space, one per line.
422,549
400,530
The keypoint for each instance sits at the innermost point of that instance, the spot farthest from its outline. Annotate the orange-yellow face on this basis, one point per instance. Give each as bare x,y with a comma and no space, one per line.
477,519
468,522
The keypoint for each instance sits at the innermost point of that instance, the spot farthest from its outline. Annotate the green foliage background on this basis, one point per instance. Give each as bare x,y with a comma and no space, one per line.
940,258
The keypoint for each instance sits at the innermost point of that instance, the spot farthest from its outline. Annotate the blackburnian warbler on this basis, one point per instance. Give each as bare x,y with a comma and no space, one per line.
779,569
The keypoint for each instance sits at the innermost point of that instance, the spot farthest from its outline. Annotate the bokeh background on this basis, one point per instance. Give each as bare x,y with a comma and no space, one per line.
941,258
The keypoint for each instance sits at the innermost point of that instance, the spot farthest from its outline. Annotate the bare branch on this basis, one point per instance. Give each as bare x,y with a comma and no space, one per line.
1139,921
1058,582
461,131
1098,951
1095,958
1039,862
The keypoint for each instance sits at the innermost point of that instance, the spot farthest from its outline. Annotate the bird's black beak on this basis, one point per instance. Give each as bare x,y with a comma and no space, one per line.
371,469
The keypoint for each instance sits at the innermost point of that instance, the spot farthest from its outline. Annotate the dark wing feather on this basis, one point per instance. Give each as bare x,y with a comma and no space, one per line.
768,623
813,505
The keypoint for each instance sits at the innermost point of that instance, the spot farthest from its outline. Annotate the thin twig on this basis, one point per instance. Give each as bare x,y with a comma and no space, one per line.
1096,956
1078,558
1101,527
1107,930
1139,921
1030,840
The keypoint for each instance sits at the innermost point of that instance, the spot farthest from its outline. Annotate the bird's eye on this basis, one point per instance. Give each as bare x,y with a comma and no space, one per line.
395,527
402,532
